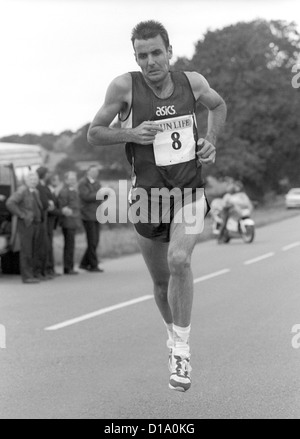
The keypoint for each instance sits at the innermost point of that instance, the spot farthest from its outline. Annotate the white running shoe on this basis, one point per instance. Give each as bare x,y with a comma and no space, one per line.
180,378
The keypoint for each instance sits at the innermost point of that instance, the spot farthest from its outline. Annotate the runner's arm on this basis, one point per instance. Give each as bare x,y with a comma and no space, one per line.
216,116
100,132
216,113
212,101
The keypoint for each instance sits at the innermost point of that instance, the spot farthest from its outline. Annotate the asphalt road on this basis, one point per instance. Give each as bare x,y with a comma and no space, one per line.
93,345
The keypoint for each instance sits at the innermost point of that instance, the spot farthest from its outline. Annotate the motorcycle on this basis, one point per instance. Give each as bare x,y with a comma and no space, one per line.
243,227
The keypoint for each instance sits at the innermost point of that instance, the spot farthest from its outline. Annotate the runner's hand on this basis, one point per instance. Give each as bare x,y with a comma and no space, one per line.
207,152
145,133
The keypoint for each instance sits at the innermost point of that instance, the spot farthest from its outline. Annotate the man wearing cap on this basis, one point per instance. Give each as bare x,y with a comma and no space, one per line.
25,203
88,187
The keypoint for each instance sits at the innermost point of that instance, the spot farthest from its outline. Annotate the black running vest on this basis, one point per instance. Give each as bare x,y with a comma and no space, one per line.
171,161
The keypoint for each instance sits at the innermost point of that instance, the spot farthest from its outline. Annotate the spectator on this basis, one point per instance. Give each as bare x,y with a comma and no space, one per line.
69,205
88,188
25,203
52,185
42,235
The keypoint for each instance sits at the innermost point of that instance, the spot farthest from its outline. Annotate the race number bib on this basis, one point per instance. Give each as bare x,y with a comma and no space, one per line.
176,144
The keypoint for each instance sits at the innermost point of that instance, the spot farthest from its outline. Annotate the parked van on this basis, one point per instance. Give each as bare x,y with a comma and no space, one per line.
16,160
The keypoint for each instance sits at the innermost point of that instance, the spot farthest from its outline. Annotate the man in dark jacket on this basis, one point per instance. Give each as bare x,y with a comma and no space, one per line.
52,185
25,203
69,204
88,188
43,173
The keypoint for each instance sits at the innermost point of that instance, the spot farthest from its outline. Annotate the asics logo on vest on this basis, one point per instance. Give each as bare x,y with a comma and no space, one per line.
165,110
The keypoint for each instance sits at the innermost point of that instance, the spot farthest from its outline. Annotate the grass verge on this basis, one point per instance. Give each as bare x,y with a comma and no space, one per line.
120,240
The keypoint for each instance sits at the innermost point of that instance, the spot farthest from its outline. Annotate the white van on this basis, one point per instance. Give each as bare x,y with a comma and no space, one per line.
16,160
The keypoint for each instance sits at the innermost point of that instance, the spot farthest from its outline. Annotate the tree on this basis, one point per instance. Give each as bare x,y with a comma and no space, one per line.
46,140
250,65
63,143
65,165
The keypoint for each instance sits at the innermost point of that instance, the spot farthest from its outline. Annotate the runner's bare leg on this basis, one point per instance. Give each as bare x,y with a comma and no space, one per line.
155,254
181,287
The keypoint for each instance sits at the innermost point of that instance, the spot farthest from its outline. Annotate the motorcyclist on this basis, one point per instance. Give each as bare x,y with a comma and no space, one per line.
236,204
216,209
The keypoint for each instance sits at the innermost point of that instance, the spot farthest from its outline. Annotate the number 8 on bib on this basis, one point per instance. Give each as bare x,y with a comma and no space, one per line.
176,144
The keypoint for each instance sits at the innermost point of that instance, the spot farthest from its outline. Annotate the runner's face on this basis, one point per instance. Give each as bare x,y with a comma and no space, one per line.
153,58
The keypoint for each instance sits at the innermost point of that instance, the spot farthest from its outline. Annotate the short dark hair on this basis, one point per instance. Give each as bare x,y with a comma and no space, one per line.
41,172
149,29
93,166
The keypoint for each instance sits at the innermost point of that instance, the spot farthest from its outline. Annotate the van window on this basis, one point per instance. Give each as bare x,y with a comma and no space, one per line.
5,175
6,185
22,171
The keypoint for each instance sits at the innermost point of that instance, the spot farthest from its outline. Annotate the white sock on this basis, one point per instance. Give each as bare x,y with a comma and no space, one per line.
170,341
181,337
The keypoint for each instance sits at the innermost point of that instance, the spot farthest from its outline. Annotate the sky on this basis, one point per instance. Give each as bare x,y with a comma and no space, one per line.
59,56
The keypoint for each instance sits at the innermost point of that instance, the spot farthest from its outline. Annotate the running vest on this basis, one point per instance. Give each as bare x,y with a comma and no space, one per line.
171,160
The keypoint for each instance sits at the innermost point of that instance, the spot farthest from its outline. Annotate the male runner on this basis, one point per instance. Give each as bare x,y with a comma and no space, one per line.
156,108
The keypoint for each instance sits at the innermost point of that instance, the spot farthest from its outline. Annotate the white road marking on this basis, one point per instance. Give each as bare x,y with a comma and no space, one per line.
259,258
209,276
98,313
150,296
289,246
122,305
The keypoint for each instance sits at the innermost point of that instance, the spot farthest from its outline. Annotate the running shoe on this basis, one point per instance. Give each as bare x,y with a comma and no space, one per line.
180,378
